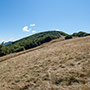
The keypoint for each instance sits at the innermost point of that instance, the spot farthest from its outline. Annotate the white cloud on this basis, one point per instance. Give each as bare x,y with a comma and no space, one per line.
32,25
25,29
33,31
57,29
28,29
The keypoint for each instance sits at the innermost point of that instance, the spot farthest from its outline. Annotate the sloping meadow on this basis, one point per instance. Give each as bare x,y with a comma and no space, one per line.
60,65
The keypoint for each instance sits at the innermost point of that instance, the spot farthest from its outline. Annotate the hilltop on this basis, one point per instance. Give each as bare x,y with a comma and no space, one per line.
56,65
30,42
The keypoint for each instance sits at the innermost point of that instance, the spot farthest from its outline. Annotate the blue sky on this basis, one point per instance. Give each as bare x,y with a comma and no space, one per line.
21,18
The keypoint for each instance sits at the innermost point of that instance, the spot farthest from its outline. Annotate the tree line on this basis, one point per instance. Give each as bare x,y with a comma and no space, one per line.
79,34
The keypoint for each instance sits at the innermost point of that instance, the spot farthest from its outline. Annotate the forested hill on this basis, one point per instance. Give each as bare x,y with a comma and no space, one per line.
36,40
41,36
30,42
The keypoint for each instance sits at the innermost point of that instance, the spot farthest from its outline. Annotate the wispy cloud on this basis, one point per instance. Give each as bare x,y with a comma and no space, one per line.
32,25
33,31
57,29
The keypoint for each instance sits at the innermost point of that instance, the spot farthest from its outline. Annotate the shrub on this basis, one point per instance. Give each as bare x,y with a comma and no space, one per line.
18,48
1,45
68,37
80,34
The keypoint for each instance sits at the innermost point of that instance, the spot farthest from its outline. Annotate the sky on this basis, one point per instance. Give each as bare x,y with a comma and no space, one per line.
21,18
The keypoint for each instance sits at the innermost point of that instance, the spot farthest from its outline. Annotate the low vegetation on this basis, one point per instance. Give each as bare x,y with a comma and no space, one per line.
80,34
68,37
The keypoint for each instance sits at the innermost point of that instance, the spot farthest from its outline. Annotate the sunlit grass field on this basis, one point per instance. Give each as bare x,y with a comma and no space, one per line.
57,65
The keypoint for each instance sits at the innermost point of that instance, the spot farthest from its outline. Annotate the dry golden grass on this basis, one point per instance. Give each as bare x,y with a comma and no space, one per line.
57,65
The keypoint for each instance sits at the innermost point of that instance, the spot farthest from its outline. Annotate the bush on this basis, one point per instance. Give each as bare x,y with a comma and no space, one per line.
80,34
18,48
68,37
1,45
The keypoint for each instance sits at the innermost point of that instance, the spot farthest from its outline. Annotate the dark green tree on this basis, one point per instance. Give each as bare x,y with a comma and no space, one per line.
68,37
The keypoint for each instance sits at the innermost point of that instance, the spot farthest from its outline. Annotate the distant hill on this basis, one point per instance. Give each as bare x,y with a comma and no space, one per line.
31,41
9,42
42,35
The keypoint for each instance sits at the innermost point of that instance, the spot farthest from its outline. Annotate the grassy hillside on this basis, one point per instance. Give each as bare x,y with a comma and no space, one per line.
30,42
59,65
